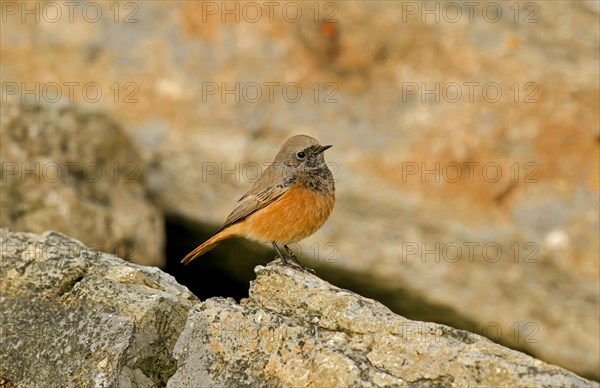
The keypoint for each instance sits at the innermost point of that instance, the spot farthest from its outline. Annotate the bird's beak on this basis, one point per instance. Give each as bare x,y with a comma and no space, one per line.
323,148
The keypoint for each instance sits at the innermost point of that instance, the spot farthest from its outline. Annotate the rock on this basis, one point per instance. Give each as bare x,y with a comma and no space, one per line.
74,316
364,89
75,171
298,330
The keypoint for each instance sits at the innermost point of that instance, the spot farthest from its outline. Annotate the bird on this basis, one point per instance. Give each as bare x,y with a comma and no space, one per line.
290,201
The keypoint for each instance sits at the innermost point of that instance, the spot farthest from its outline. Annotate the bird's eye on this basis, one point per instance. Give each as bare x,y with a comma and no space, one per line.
300,155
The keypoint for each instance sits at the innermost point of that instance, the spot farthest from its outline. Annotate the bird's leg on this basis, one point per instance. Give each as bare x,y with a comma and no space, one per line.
281,256
291,254
296,262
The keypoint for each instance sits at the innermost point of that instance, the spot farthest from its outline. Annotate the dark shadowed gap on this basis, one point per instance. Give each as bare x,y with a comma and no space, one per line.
226,271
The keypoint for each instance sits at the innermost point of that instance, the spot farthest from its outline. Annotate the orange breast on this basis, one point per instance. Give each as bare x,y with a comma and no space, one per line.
296,215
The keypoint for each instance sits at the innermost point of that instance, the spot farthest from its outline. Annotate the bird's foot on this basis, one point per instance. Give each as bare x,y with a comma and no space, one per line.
291,260
296,265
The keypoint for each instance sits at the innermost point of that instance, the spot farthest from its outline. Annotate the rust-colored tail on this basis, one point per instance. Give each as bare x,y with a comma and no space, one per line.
208,245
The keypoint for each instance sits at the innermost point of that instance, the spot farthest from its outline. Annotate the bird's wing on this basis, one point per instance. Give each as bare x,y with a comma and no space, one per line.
255,200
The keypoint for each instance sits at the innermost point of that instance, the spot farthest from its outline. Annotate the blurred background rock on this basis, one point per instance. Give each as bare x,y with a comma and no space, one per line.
466,147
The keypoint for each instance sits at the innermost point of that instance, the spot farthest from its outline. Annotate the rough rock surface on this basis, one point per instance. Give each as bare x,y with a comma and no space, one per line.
542,132
72,316
298,330
58,162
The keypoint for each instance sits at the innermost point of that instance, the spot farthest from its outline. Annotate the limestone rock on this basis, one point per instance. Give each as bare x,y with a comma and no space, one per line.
74,316
76,171
298,330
